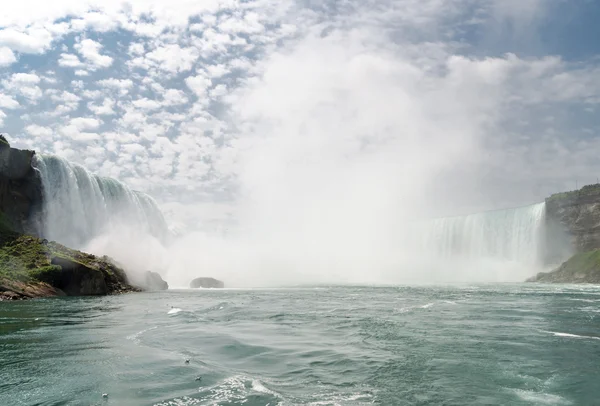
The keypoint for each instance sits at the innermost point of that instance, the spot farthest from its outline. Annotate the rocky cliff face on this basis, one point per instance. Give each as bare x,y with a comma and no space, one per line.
20,189
33,267
577,214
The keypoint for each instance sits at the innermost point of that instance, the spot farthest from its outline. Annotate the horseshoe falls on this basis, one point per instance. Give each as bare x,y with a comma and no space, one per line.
510,237
80,206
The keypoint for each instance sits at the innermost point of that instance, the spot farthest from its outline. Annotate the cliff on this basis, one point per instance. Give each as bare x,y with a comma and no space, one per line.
573,232
577,213
32,267
20,190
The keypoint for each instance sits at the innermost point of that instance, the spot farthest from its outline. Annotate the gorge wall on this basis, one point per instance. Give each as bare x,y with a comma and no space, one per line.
576,215
21,192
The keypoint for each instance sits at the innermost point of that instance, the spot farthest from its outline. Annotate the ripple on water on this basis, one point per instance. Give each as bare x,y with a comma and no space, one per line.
340,346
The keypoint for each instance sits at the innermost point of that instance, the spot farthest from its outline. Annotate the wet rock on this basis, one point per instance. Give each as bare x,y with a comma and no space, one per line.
205,282
153,281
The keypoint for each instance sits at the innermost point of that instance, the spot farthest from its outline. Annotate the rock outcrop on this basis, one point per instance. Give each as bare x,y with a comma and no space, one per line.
30,267
20,189
153,281
577,214
206,283
583,267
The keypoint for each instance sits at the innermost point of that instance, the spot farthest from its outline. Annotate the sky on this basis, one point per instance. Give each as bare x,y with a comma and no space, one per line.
265,107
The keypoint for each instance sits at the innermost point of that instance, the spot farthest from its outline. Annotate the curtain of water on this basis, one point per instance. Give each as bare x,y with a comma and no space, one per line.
79,206
515,235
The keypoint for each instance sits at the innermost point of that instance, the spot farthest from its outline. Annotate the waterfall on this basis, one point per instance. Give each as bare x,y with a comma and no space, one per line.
511,235
79,206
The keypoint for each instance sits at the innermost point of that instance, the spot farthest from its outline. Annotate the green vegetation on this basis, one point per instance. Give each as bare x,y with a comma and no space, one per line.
583,267
3,141
587,189
26,261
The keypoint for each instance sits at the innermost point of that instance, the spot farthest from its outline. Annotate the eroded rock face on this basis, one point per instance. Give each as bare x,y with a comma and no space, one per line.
578,215
153,281
20,189
207,283
76,279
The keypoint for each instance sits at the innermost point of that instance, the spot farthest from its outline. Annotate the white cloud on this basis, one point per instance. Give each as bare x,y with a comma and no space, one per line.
172,58
24,79
66,97
174,97
70,60
123,86
85,123
218,91
90,50
7,57
136,49
7,102
146,104
2,117
105,109
34,41
25,85
96,21
216,71
38,131
198,84
116,83
249,24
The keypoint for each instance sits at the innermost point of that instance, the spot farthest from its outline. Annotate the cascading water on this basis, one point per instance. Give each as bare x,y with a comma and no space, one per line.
511,235
79,206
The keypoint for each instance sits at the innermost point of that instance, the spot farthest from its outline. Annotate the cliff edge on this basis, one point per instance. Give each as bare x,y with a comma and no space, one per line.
33,267
578,214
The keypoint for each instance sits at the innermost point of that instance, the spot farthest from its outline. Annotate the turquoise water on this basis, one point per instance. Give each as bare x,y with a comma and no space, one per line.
465,345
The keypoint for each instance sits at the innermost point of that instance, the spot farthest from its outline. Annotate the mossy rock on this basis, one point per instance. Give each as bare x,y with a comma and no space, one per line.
583,267
27,261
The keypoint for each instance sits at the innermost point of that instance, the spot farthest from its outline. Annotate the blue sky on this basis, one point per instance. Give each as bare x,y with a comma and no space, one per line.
466,104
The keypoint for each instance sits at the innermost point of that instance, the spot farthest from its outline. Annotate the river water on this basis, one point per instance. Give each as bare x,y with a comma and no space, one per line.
431,345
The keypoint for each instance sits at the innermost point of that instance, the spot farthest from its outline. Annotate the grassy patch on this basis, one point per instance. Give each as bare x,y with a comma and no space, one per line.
25,258
582,262
587,189
583,267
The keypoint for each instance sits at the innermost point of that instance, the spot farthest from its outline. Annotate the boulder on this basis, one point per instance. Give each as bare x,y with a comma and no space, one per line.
76,279
206,283
153,281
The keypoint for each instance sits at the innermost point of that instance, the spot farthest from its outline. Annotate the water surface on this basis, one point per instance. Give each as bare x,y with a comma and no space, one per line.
451,345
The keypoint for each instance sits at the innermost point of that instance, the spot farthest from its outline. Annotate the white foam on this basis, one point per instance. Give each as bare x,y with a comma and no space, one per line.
174,310
259,387
427,306
136,337
541,398
569,335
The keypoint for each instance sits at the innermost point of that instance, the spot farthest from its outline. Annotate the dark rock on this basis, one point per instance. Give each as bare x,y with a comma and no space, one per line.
577,215
76,279
206,283
153,281
20,190
3,142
